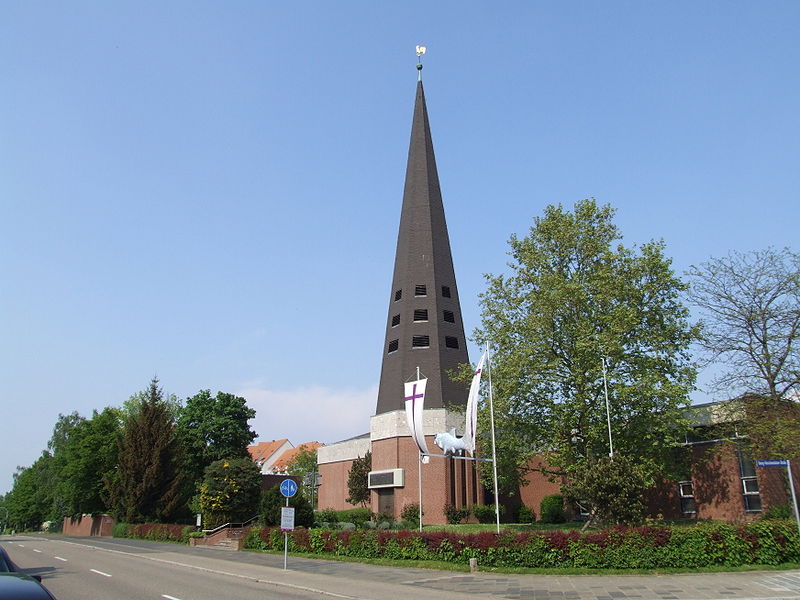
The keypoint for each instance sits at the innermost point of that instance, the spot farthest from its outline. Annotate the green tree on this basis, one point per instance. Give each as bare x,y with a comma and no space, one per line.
304,465
358,480
612,489
147,484
230,492
86,459
271,502
31,500
213,428
577,302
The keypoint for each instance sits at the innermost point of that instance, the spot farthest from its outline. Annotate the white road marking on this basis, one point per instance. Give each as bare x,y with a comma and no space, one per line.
169,597
100,573
62,559
35,550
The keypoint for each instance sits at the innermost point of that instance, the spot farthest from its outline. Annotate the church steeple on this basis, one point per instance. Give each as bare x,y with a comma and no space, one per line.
424,327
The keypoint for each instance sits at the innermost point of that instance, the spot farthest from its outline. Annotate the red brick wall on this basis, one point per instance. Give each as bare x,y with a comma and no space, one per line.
333,485
87,525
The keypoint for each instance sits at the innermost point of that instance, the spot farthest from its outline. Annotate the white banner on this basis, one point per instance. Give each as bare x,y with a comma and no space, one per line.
415,401
471,426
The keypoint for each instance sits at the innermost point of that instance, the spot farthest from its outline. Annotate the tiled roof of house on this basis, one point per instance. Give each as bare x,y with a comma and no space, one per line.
288,456
262,451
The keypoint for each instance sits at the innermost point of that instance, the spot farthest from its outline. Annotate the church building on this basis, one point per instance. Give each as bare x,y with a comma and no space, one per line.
424,337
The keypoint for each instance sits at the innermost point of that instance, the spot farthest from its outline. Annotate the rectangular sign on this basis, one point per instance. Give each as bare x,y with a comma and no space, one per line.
773,463
287,518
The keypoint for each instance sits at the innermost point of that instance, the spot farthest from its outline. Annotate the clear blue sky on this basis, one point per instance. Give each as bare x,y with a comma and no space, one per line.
210,191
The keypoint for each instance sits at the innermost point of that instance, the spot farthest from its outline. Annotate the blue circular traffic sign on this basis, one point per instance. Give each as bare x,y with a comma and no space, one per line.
288,488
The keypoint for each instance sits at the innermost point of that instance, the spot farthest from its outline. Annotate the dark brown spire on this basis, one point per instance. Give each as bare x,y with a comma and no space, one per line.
424,327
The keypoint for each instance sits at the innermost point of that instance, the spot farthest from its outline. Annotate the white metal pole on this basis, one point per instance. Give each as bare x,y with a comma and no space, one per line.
419,469
494,444
419,466
608,412
285,541
794,497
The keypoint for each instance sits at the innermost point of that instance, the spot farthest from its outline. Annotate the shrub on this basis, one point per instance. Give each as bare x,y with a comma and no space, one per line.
551,509
762,542
410,514
486,514
455,515
526,515
357,516
327,515
778,511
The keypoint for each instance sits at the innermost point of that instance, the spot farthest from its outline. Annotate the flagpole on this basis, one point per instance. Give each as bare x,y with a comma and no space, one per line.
494,445
419,467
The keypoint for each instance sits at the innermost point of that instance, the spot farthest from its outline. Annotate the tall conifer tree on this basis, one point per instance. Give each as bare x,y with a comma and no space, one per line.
147,484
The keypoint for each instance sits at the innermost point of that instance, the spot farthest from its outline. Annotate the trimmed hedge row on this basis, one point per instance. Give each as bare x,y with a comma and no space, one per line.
761,542
158,532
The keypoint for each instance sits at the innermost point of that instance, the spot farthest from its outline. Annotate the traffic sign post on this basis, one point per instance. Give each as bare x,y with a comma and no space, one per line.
288,489
784,462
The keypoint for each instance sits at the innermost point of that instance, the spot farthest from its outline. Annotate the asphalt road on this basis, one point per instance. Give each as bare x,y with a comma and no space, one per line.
98,568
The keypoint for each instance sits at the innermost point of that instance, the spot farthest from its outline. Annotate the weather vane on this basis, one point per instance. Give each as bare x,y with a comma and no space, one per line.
420,51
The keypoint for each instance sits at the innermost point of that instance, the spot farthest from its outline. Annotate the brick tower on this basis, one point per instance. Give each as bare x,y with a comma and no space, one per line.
424,330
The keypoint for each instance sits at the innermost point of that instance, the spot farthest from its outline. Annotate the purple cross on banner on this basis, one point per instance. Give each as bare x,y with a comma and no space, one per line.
415,401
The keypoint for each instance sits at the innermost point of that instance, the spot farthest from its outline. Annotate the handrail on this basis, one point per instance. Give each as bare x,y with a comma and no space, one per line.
229,526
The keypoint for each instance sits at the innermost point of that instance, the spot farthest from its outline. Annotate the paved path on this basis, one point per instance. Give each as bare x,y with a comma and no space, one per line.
355,580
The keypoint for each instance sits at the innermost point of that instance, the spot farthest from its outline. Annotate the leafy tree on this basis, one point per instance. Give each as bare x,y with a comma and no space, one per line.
577,302
31,500
612,489
304,464
358,480
212,428
271,502
230,491
750,304
147,484
63,428
86,458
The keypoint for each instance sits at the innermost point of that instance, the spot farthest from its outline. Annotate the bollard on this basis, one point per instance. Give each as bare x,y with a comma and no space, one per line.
473,565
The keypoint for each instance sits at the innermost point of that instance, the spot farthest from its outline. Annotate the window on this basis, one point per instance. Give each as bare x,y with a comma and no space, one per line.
451,342
397,295
421,315
750,491
446,291
420,341
420,290
393,345
449,317
686,493
395,320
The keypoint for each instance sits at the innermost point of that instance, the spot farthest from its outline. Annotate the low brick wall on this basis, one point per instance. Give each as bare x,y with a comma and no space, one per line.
89,526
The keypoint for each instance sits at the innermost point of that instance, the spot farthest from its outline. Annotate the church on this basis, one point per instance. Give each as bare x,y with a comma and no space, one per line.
424,337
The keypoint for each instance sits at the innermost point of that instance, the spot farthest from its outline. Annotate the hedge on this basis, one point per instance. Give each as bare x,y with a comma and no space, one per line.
761,542
159,532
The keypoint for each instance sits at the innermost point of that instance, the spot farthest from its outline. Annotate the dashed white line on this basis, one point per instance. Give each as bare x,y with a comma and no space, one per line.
61,559
169,597
35,550
100,573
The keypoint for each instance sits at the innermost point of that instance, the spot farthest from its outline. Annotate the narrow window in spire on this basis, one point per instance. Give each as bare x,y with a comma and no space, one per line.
420,341
420,315
393,345
451,342
420,290
395,320
449,317
397,295
446,291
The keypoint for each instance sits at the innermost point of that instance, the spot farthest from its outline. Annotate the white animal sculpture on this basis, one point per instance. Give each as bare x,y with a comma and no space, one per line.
449,443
